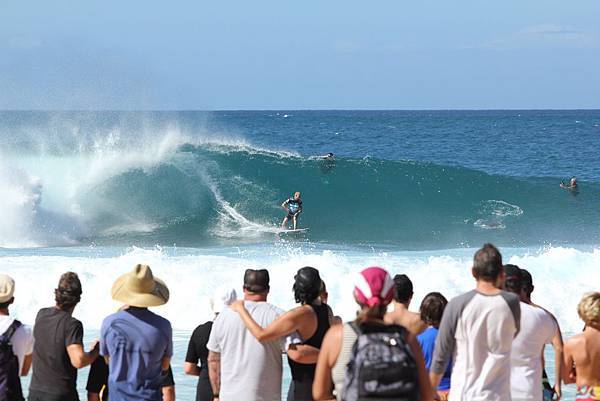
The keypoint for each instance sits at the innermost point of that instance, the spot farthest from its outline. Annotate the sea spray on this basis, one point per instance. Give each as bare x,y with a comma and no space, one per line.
561,276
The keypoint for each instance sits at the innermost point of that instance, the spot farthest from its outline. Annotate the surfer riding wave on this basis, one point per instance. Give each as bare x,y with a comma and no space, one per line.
293,206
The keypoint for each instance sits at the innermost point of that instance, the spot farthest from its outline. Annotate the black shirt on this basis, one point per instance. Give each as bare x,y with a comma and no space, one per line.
197,351
53,332
294,206
98,378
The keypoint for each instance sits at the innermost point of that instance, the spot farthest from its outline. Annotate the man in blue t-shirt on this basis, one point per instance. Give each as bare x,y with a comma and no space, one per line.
432,309
137,343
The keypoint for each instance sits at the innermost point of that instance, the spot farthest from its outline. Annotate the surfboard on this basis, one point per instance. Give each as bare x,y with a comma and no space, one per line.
298,230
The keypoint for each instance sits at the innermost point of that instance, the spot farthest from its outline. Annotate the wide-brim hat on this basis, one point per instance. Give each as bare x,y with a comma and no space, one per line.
140,288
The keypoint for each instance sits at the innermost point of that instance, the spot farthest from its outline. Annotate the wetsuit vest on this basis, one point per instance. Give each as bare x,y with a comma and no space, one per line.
303,374
294,205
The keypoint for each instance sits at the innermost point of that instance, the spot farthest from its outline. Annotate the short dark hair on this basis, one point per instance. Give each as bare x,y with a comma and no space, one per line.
432,308
527,282
68,293
307,285
487,263
6,304
514,278
403,288
256,281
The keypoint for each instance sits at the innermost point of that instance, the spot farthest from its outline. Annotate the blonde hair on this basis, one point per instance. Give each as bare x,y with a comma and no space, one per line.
589,309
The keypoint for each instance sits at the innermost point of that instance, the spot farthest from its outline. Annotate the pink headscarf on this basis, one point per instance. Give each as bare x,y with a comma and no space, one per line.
374,286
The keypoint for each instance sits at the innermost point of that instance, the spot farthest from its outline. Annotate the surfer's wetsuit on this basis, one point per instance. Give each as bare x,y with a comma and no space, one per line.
294,206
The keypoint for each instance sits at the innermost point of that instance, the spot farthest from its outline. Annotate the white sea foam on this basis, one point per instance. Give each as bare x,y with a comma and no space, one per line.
561,277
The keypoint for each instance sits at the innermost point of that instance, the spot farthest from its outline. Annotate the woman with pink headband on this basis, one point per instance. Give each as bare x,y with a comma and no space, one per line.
373,291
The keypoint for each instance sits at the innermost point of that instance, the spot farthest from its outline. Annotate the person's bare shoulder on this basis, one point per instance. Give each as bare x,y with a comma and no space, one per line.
417,324
391,318
335,332
574,343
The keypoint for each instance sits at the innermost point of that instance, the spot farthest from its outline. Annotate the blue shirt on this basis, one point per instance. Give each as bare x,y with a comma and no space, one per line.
427,342
135,340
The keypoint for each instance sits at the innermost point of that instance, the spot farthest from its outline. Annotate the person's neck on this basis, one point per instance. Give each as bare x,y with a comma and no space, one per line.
591,329
255,297
4,312
487,288
68,310
400,307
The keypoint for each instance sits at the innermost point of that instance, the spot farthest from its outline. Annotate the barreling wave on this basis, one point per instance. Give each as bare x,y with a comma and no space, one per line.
175,190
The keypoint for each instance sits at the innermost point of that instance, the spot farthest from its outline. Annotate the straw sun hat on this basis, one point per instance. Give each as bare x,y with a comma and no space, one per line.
140,288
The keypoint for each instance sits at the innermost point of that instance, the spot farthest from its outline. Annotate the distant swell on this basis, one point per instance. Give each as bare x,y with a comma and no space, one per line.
174,191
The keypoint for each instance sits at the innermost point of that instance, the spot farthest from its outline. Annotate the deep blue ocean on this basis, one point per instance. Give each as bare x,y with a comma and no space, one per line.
197,196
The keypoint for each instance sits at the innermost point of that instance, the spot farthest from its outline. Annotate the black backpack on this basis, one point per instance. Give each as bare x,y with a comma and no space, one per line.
10,382
382,367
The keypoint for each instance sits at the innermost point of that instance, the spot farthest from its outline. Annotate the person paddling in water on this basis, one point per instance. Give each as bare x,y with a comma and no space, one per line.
293,206
572,185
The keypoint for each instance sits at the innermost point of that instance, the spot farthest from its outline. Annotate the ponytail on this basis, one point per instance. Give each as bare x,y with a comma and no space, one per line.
368,313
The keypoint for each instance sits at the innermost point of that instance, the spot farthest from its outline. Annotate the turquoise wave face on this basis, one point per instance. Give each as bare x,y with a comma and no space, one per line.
224,194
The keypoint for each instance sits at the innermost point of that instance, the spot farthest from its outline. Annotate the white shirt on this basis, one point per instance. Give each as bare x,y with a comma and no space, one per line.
479,330
250,371
537,328
22,339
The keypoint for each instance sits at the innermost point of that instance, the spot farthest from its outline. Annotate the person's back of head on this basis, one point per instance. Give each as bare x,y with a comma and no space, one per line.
528,286
589,309
256,284
373,291
487,264
7,290
403,289
432,308
514,279
307,285
68,293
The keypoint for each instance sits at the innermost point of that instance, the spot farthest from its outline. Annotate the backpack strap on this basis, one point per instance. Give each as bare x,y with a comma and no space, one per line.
354,326
14,326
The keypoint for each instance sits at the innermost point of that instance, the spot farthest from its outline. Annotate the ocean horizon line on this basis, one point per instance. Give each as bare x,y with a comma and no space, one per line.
293,110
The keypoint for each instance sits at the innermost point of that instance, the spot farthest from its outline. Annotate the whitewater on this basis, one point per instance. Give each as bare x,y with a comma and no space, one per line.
197,197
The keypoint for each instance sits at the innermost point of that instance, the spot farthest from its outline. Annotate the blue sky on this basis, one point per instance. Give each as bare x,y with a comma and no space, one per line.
151,55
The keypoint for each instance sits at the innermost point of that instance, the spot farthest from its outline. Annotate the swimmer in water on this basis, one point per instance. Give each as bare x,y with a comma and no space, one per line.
572,184
293,206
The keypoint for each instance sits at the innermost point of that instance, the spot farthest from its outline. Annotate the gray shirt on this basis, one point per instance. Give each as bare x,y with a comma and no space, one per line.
250,371
479,330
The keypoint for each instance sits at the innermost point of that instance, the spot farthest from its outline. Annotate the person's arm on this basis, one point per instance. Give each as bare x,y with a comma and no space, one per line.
168,393
557,344
190,366
282,326
569,375
79,358
322,389
214,372
26,365
284,204
165,362
191,369
302,353
93,396
425,388
445,341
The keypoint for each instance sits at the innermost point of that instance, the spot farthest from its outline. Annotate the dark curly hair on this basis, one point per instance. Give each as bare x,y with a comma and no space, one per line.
307,285
403,288
68,293
432,308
